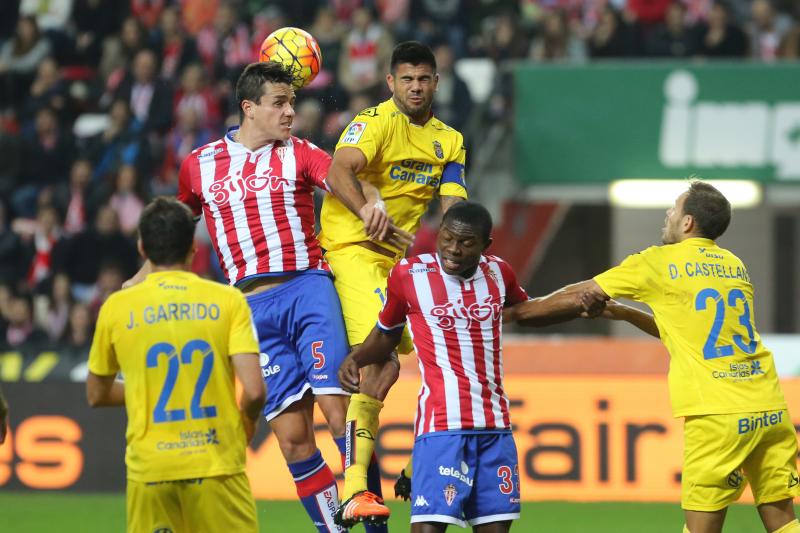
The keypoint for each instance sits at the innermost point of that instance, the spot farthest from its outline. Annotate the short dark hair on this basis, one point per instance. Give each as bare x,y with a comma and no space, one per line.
250,85
709,207
413,52
166,229
472,214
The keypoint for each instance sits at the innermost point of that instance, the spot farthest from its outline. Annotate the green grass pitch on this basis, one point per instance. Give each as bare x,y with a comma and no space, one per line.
104,513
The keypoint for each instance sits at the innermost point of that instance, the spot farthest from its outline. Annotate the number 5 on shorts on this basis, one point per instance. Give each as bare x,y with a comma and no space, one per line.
319,357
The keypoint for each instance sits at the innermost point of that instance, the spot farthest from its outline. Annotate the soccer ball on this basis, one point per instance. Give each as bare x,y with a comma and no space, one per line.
297,50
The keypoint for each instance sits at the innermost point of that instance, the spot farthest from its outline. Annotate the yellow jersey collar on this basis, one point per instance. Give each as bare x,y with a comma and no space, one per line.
698,241
156,277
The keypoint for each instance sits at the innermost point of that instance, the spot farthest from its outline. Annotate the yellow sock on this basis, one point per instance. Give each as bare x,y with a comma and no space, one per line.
361,428
791,527
686,529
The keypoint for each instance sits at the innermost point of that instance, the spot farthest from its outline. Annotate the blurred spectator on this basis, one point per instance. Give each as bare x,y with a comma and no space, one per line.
328,32
197,14
119,51
147,11
674,37
81,256
149,97
109,281
121,143
47,90
51,311
720,37
79,329
187,135
611,37
647,12
448,17
5,303
336,122
21,329
94,21
19,58
127,199
47,154
308,121
177,50
503,40
44,234
767,30
51,15
10,164
74,198
194,93
224,45
12,253
451,101
365,55
555,41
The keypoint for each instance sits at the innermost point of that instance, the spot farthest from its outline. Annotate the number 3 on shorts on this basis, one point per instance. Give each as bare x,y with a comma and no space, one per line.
506,481
319,357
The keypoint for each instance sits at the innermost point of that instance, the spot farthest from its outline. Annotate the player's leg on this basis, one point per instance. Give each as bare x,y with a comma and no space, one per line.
428,527
153,506
289,407
712,476
360,282
219,504
771,468
495,498
444,478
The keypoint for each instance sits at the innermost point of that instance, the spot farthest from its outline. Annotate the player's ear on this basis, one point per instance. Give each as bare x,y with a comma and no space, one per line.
687,223
489,242
390,82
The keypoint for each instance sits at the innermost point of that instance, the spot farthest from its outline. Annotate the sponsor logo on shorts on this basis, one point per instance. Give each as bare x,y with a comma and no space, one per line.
450,493
739,371
735,479
461,475
421,501
513,500
757,422
319,377
267,369
190,439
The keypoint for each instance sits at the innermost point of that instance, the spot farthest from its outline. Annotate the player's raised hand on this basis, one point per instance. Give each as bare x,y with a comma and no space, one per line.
349,375
398,238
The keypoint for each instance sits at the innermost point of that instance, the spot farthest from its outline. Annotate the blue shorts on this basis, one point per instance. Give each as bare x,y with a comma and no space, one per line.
302,339
465,478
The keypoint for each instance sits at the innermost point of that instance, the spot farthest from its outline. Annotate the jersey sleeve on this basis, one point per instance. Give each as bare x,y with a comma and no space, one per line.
395,308
102,356
185,192
514,291
625,280
242,336
453,182
313,163
365,132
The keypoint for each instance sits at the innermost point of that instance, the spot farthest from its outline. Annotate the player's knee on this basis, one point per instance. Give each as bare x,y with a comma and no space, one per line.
334,408
296,450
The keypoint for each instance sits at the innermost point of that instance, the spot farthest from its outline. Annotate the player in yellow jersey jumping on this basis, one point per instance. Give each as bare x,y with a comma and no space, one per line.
722,379
410,156
178,341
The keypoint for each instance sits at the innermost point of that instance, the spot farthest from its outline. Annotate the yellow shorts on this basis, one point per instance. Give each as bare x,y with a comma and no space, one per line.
360,280
722,453
221,504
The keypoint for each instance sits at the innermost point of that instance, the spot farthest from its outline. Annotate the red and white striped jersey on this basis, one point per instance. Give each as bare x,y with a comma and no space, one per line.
258,205
456,325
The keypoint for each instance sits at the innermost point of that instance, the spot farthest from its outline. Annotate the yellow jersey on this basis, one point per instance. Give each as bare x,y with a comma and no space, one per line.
171,336
702,301
407,163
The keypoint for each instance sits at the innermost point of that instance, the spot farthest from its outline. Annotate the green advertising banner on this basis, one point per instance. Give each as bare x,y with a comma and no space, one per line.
603,122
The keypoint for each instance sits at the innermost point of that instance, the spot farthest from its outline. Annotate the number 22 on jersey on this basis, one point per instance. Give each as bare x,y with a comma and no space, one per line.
174,363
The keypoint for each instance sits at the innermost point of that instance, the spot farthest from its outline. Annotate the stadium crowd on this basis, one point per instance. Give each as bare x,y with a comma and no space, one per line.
100,101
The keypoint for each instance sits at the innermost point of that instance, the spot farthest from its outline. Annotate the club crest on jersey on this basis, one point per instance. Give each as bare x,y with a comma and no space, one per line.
238,187
450,493
354,133
447,314
281,152
437,149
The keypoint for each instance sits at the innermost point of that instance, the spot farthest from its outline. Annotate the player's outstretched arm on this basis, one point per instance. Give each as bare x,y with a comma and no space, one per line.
254,392
377,348
104,391
641,319
580,299
394,235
